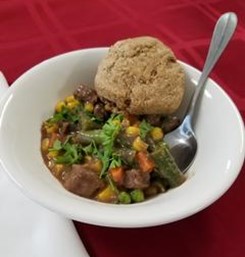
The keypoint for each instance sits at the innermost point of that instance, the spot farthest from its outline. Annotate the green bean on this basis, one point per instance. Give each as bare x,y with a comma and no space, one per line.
127,155
87,123
86,137
166,165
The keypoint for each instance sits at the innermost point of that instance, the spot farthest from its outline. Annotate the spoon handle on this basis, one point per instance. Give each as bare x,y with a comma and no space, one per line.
222,34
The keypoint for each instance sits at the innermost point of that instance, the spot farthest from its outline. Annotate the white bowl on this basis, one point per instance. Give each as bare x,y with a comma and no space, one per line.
31,99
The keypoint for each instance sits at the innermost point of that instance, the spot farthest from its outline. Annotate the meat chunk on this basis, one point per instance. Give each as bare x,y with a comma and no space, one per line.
109,106
154,119
86,94
63,127
135,178
99,111
82,181
170,123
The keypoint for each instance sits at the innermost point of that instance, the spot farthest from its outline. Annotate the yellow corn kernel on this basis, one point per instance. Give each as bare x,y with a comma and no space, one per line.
89,107
116,122
132,131
139,144
156,133
58,168
107,195
52,129
72,105
88,158
97,165
70,99
45,144
52,154
51,164
59,106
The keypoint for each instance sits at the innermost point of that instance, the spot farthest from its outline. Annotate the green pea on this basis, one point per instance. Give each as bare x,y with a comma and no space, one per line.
137,195
124,198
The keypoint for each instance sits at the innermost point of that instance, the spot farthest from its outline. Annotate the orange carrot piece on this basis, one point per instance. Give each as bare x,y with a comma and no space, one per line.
145,163
117,174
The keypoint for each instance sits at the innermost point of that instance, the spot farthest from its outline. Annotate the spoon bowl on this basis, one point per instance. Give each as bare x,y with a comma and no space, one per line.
183,146
182,141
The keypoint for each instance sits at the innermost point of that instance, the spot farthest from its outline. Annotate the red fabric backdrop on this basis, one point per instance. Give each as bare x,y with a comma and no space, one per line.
33,30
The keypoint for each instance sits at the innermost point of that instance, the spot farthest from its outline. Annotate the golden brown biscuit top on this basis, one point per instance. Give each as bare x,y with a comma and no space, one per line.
142,76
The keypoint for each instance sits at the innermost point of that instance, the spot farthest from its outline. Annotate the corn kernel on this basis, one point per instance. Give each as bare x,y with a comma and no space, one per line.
45,144
88,158
116,122
70,99
51,164
89,107
52,129
139,144
132,131
157,133
72,105
58,168
97,165
52,154
107,195
59,106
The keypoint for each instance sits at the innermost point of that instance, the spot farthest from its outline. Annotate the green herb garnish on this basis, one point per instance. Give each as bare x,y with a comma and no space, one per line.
68,153
108,134
145,128
94,118
116,161
112,184
92,149
56,146
66,114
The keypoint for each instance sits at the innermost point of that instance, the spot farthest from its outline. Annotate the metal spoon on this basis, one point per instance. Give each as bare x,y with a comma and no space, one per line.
182,141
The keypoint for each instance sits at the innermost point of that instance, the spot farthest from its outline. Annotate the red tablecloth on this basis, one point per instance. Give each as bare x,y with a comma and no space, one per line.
33,30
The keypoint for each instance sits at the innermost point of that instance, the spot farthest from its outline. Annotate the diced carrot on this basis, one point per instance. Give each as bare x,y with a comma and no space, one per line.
117,174
145,163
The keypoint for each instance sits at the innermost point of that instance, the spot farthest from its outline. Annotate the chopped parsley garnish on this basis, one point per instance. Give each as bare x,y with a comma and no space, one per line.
56,146
92,149
68,153
112,184
116,161
66,115
145,128
94,118
108,134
